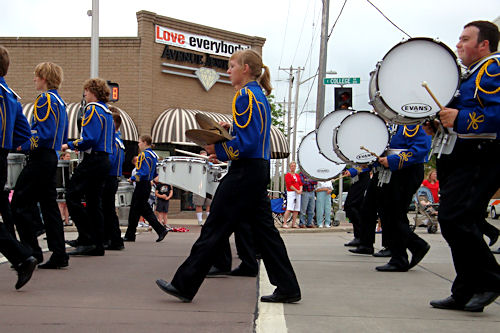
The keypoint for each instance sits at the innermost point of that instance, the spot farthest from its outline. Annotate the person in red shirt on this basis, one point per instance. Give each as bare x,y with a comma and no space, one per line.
293,192
432,184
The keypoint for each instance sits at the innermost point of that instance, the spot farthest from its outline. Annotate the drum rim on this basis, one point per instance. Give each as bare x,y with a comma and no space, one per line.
429,39
184,159
305,172
317,141
348,161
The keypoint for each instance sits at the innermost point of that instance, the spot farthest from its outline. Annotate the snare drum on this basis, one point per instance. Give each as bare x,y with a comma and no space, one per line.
124,194
214,176
15,164
312,163
324,134
361,128
396,90
187,173
62,175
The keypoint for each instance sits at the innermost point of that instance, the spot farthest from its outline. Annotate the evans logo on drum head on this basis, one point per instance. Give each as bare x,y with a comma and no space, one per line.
363,156
416,108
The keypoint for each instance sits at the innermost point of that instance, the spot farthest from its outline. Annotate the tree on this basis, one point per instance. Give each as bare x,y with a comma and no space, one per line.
276,114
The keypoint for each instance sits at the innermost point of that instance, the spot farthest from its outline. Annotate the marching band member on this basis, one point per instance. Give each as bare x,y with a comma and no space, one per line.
470,175
402,174
15,130
241,198
37,181
146,172
89,176
113,238
354,201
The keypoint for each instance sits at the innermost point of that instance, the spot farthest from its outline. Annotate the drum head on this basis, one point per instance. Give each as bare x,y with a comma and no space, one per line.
406,66
312,163
324,134
361,128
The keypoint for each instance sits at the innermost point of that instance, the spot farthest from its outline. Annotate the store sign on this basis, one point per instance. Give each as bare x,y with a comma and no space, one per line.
195,42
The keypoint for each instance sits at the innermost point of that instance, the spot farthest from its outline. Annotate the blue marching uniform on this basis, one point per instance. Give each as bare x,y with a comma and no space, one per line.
146,172
113,238
88,178
240,203
468,178
37,181
14,131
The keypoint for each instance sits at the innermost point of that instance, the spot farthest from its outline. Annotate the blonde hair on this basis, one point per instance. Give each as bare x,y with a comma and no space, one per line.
254,61
51,73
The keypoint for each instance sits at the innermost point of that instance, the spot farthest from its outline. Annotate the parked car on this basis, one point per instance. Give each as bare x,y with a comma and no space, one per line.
494,208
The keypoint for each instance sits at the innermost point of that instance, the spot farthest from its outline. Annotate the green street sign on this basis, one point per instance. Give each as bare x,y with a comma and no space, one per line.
341,80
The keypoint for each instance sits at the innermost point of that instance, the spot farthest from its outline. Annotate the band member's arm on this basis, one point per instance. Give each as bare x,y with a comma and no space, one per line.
418,144
484,117
91,130
22,129
143,168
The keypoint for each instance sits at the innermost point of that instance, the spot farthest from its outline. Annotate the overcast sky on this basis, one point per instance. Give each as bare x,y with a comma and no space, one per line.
361,37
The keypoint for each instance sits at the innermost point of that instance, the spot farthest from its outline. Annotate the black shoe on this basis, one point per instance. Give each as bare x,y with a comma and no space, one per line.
384,253
362,250
493,239
449,303
54,264
25,271
162,235
114,247
390,268
276,297
480,300
171,290
72,243
238,271
128,239
87,250
497,251
418,255
355,242
215,272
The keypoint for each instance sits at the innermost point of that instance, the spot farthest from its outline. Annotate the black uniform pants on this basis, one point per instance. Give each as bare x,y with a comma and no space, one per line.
245,248
111,223
87,182
468,178
394,199
354,202
369,213
37,184
240,200
140,207
9,246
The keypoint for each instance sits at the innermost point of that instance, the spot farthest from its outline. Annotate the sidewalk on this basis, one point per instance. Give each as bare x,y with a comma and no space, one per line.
341,292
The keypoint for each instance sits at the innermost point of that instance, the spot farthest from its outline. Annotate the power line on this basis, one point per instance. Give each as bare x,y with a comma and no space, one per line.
284,37
388,19
334,23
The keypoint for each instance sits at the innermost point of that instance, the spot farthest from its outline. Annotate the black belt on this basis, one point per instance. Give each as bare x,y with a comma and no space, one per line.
98,153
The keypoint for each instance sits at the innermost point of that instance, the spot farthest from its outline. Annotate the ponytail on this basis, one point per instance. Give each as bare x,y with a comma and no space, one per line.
265,80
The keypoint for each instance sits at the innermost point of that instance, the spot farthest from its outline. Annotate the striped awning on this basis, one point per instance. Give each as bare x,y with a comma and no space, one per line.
128,129
173,123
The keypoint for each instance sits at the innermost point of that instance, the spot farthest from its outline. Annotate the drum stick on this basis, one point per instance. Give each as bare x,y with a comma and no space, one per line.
191,154
335,179
426,86
372,153
197,155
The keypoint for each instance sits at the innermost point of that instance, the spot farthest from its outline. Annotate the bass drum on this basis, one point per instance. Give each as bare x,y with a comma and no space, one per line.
361,129
324,134
396,90
312,163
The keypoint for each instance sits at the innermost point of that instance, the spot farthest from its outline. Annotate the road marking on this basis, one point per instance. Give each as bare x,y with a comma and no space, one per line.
270,316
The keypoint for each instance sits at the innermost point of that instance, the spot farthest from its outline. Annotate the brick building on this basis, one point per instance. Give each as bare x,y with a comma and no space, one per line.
170,69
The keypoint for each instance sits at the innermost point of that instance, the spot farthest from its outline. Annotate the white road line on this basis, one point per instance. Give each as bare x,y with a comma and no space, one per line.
270,316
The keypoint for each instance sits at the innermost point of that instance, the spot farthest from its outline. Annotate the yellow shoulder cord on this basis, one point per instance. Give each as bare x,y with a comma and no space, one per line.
484,69
85,121
248,109
49,108
410,133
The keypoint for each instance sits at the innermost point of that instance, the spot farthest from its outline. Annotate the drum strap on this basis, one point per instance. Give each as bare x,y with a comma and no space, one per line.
479,64
10,91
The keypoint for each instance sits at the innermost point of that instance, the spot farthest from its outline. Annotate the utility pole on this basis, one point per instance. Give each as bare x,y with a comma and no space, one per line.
94,40
296,113
320,100
289,122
